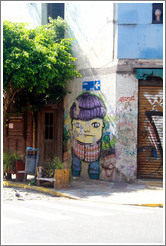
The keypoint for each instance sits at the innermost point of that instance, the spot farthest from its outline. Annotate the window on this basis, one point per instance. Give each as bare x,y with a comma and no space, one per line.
157,13
49,125
55,9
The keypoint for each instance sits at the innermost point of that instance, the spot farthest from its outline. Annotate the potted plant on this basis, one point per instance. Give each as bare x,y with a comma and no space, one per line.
10,160
54,171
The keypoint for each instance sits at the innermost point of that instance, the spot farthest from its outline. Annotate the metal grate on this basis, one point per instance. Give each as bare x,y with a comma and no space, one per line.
150,132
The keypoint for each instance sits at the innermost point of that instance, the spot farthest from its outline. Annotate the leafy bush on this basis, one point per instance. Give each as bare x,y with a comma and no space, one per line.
9,159
49,167
36,61
33,182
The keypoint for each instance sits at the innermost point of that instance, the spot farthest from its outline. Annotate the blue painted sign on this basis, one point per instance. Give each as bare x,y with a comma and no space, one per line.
91,85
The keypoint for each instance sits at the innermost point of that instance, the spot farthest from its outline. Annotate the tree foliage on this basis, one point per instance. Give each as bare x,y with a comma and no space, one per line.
36,62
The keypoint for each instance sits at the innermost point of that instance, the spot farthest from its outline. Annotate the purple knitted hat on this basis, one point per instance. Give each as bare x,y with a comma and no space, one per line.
87,107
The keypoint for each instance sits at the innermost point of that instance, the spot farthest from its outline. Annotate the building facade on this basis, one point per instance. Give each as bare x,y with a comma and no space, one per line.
113,115
119,47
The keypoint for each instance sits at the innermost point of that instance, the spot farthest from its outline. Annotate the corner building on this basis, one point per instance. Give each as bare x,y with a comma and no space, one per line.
119,50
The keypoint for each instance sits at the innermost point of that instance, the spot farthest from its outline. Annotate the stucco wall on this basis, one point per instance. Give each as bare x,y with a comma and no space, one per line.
25,12
138,38
91,25
118,156
94,46
108,132
126,126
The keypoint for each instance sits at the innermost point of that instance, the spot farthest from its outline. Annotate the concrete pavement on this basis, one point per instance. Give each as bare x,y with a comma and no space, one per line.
140,193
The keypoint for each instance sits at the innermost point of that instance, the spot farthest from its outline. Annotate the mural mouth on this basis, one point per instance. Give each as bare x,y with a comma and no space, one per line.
86,135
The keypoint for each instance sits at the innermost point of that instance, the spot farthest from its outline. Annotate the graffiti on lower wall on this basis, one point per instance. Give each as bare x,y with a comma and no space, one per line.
93,139
126,137
127,100
108,163
154,135
155,100
150,151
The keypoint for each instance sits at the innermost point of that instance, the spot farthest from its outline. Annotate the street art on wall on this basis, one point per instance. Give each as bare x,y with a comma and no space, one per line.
154,100
126,120
150,151
155,137
126,136
108,162
87,115
92,136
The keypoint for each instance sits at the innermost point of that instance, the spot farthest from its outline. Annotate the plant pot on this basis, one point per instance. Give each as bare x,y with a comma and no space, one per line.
42,179
20,166
59,181
61,178
8,176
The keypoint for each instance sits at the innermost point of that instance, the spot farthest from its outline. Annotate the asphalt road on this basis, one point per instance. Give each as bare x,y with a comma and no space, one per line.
56,220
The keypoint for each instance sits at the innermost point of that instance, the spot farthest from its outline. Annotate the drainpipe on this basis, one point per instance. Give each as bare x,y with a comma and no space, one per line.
115,30
34,129
44,14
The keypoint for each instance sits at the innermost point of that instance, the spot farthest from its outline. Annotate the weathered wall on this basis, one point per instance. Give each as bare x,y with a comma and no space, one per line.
91,25
126,126
94,47
150,129
138,38
105,134
22,12
118,154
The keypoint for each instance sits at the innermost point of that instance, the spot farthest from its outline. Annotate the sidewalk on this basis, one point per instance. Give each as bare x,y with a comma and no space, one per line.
140,193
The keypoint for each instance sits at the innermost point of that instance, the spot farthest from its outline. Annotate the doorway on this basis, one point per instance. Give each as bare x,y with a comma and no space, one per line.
150,129
50,132
48,135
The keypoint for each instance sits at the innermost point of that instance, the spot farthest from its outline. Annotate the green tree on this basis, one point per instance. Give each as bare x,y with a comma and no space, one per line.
37,63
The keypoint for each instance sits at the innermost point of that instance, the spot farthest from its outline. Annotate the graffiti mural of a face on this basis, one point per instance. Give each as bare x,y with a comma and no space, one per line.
88,131
87,114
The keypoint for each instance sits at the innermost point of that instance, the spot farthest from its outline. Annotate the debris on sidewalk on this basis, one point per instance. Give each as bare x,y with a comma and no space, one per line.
9,194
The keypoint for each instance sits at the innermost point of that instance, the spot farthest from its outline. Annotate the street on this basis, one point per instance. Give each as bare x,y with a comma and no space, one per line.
56,220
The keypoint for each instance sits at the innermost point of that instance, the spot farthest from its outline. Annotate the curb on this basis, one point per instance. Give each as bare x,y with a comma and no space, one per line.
40,189
128,204
160,205
60,194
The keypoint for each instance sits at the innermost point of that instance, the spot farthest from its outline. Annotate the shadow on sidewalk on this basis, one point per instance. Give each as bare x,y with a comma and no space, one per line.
85,188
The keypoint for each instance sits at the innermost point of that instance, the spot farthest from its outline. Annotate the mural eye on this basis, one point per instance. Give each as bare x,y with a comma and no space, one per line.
95,124
77,125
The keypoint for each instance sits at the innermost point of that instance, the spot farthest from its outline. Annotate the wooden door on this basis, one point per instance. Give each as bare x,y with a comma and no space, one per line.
15,134
150,130
49,135
50,132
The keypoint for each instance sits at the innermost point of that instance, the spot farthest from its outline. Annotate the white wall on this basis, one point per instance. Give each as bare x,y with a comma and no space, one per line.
126,126
20,11
92,27
91,24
